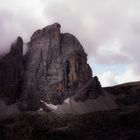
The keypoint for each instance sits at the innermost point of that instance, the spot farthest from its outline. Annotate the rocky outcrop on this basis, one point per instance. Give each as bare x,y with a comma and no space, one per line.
53,69
56,67
91,90
11,73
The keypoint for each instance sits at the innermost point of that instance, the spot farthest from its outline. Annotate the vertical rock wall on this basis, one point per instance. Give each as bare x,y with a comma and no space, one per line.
56,66
11,73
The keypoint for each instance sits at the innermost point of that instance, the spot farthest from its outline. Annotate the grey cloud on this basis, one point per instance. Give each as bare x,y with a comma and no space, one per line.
113,59
20,22
96,23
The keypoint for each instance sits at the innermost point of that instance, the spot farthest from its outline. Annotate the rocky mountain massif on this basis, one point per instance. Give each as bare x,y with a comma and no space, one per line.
53,69
11,73
49,93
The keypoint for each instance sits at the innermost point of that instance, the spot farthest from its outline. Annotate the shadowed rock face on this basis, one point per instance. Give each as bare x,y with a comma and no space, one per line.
56,66
53,69
11,73
91,90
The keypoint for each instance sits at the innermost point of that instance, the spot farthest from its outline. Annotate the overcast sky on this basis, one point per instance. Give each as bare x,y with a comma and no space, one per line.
109,31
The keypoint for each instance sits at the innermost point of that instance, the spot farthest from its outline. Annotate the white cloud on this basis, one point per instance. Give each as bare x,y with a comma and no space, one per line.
19,18
110,78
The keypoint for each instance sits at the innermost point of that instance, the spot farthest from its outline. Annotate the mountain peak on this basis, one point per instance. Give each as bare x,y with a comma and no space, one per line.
46,31
17,46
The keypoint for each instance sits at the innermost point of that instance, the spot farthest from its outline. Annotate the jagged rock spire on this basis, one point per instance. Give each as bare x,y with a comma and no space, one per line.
57,66
11,73
17,47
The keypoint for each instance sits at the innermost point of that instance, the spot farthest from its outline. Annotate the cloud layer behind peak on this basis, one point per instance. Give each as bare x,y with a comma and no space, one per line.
109,30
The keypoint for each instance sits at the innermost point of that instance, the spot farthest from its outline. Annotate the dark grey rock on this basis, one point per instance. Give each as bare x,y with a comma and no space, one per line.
11,73
91,90
56,66
53,69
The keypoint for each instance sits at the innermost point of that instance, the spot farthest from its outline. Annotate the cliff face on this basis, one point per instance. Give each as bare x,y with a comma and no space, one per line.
11,73
56,66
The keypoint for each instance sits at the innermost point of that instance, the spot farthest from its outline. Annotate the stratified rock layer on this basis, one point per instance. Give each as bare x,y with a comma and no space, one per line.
56,67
